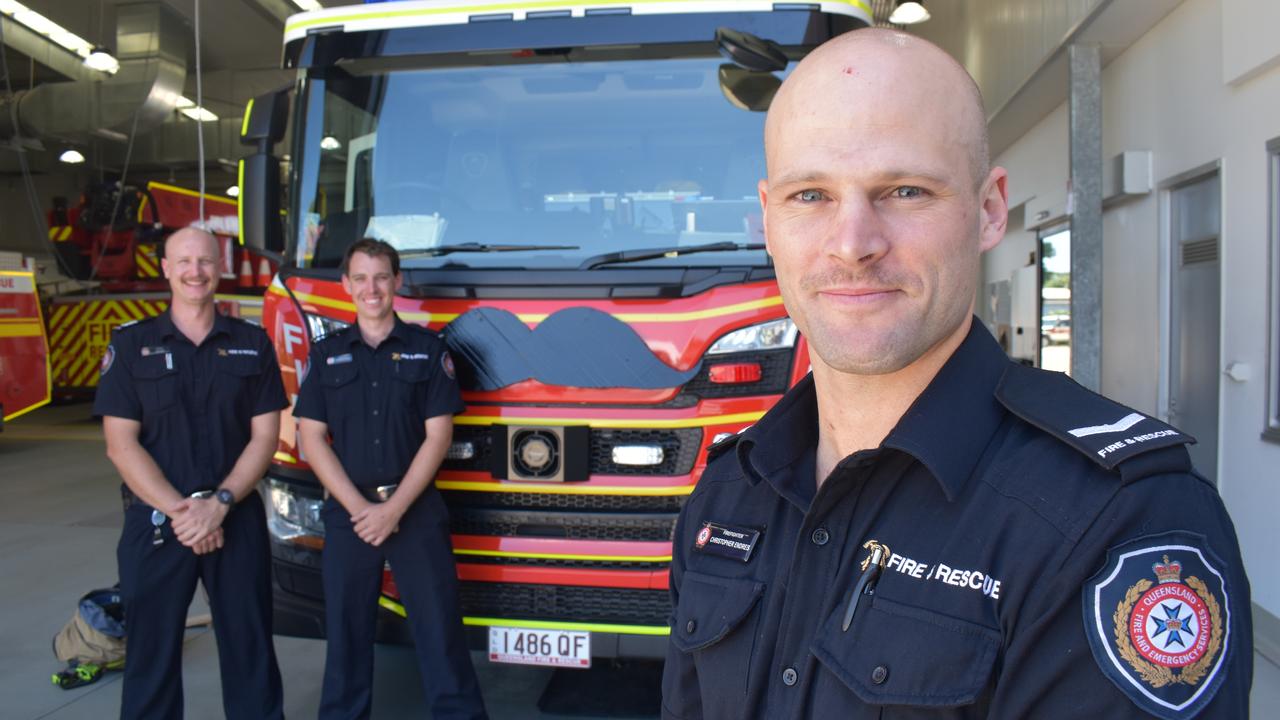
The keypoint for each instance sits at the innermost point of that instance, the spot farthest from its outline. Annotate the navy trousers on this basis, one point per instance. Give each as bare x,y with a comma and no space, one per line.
156,585
421,556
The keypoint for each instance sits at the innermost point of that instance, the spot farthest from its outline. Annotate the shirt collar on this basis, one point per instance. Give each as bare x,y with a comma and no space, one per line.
164,323
946,429
399,331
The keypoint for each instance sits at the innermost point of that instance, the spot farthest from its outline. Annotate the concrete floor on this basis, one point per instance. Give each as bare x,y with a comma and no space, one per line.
59,522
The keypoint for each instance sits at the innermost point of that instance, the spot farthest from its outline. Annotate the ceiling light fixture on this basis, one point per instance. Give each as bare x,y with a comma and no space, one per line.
233,191
909,12
330,142
100,59
60,36
71,157
308,4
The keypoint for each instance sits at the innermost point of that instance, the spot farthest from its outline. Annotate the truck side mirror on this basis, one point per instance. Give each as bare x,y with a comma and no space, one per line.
263,127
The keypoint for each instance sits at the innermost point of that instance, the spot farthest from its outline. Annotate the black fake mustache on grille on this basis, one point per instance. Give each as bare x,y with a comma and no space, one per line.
575,347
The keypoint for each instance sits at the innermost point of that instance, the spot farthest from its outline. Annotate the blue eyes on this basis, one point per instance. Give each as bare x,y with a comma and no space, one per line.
905,192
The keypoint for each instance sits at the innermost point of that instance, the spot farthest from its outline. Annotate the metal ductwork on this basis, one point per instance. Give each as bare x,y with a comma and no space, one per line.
151,45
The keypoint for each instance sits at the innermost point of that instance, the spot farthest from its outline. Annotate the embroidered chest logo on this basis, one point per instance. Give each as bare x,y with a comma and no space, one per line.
1160,623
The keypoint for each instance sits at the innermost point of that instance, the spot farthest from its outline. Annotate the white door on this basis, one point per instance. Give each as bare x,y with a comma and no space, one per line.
1195,222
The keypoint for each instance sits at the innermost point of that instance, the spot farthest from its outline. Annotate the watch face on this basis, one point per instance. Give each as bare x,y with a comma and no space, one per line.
225,497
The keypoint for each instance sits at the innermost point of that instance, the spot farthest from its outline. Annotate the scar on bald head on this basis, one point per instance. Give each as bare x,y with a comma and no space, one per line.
193,232
848,51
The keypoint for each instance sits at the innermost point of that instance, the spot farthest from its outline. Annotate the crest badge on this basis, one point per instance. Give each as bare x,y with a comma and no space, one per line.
1159,623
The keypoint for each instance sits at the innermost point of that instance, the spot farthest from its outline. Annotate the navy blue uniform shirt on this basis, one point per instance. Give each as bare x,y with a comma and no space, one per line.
376,401
195,404
1047,553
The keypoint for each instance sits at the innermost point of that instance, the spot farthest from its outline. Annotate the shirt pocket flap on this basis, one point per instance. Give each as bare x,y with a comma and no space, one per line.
710,607
339,375
410,371
896,654
153,367
240,366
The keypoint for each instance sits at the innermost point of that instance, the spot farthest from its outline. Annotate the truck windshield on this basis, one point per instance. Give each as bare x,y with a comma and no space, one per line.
574,160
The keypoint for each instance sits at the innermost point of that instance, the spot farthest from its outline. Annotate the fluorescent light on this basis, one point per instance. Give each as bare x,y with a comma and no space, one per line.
909,13
58,35
199,114
71,157
308,4
233,191
184,102
100,59
330,143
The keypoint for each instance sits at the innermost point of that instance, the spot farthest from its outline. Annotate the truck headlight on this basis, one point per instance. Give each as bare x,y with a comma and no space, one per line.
319,325
293,514
772,335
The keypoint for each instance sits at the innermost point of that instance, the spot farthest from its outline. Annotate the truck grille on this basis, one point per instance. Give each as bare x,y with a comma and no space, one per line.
572,604
679,447
574,526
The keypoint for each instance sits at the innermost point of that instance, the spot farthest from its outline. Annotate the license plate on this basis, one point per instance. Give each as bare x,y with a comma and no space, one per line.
553,648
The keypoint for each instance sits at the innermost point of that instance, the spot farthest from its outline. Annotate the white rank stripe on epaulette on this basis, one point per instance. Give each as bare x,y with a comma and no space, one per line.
1103,429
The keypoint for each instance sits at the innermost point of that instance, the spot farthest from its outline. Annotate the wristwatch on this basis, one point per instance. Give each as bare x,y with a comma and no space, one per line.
225,496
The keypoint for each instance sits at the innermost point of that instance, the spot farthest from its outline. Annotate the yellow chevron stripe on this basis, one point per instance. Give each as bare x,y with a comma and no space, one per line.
395,607
24,329
566,489
305,20
560,556
611,422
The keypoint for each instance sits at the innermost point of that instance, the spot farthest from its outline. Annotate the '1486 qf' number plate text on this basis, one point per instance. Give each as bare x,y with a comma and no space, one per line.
525,646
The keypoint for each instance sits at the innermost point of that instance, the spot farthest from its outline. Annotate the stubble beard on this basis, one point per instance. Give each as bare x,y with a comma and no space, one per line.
875,345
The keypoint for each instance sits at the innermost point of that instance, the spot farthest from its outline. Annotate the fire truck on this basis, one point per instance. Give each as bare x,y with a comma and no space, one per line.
572,189
24,350
116,258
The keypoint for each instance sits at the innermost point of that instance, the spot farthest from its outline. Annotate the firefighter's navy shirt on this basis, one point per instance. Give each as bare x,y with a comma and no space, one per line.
1025,521
376,401
196,403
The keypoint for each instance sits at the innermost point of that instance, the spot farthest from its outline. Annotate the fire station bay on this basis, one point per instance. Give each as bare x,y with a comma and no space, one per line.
639,358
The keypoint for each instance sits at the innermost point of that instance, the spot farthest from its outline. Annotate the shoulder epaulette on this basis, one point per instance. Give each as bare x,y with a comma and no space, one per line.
1103,429
721,446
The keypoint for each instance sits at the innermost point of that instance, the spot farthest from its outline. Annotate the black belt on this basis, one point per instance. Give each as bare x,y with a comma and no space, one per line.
129,499
380,493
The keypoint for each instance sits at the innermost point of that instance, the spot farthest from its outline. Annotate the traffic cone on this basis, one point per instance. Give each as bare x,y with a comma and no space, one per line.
264,272
245,279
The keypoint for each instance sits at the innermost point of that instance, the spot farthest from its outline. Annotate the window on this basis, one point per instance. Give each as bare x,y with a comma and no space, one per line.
1055,298
1272,431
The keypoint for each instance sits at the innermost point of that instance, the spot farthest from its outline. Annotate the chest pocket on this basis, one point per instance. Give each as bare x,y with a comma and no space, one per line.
715,622
156,381
235,375
410,377
896,654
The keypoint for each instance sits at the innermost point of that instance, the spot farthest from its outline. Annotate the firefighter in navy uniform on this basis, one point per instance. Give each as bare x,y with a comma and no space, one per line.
922,528
386,393
190,403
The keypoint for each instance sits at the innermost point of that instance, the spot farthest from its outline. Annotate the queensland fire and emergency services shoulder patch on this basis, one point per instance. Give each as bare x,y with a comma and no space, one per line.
1159,623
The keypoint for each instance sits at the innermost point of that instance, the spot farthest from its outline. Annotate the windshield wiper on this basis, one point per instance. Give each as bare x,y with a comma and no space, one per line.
480,248
626,256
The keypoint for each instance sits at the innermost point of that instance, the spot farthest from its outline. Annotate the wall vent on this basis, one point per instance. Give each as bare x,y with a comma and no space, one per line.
1200,251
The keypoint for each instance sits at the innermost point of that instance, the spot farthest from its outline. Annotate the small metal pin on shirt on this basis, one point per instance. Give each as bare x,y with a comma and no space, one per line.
872,565
157,521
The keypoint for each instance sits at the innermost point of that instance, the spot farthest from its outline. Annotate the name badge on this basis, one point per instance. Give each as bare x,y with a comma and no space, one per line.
338,359
727,541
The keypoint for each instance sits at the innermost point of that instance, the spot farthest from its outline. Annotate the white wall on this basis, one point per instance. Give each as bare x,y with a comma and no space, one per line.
1191,99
